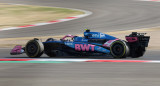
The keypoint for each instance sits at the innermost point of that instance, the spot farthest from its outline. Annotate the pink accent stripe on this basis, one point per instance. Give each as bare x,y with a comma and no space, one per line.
16,59
116,61
27,26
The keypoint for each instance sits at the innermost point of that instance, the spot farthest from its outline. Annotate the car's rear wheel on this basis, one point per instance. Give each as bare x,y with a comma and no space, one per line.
34,48
119,49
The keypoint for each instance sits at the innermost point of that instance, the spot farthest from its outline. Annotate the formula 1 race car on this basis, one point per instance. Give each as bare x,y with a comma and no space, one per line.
93,43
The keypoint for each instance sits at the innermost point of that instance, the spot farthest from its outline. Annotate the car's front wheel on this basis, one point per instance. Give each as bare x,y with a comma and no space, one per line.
34,48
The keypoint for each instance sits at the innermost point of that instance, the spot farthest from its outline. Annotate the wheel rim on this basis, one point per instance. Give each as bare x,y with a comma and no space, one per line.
118,49
32,48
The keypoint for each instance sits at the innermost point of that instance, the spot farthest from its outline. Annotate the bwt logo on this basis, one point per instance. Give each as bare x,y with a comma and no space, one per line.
84,47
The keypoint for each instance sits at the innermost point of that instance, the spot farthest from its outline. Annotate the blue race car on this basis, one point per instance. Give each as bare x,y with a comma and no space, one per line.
93,43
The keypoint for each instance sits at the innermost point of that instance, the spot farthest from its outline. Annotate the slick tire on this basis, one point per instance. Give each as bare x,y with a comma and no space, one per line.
119,49
34,48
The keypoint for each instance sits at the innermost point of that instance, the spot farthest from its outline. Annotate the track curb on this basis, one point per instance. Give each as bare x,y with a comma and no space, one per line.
86,13
75,60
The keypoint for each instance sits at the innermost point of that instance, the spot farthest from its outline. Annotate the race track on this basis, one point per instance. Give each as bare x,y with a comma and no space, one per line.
108,15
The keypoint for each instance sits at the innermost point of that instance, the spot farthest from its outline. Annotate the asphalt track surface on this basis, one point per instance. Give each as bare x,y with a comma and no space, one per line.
108,15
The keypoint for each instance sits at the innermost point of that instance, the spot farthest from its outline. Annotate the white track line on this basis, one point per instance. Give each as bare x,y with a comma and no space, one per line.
100,60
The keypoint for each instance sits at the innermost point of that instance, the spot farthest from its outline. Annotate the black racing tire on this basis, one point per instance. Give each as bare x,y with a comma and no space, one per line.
119,49
50,39
34,48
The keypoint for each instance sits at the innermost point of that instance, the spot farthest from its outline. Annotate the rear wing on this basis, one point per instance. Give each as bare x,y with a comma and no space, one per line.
138,37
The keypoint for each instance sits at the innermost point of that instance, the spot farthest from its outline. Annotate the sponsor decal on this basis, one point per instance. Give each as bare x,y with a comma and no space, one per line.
95,35
102,35
131,39
99,48
84,47
69,43
85,33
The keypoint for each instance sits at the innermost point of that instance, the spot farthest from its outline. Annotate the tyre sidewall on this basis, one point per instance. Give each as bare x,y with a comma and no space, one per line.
125,49
39,50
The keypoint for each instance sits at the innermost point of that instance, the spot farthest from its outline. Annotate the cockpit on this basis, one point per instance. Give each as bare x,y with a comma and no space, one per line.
68,38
